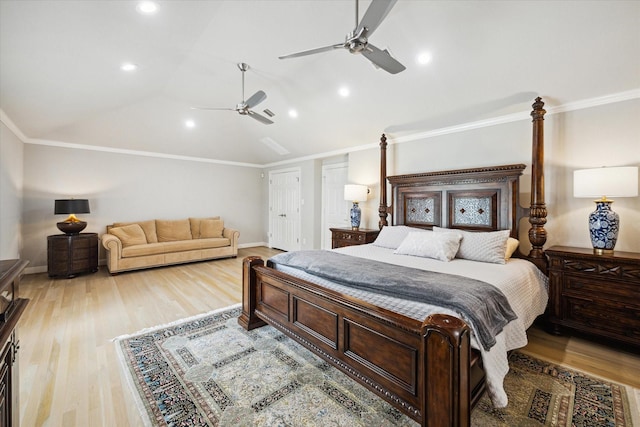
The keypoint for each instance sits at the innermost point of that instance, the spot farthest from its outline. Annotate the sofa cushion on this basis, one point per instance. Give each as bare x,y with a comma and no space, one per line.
172,230
215,242
149,228
195,226
211,228
175,246
129,235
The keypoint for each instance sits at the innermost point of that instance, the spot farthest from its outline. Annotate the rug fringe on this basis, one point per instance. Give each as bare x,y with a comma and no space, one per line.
175,322
129,380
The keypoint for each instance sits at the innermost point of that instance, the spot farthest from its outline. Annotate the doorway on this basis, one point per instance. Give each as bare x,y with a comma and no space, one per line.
335,210
284,209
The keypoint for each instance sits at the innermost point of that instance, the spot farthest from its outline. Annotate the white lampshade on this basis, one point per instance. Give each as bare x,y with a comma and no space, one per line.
355,193
606,182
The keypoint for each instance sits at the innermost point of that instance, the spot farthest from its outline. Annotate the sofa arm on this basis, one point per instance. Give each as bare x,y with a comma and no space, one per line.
232,235
113,245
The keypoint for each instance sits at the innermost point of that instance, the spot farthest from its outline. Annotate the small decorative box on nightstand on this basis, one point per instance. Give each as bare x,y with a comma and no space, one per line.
595,294
71,254
341,237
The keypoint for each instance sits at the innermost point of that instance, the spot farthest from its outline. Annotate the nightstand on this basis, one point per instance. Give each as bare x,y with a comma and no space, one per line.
341,237
595,294
71,254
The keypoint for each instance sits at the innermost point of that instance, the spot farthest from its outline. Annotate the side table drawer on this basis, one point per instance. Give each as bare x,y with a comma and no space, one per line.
602,316
84,243
341,237
355,238
611,289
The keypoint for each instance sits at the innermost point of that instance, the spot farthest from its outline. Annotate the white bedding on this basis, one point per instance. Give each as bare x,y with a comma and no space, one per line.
521,282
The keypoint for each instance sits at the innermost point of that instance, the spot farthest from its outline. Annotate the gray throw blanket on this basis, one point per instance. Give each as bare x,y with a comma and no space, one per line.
482,303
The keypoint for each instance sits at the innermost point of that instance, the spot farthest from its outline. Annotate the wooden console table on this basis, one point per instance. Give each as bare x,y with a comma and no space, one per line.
71,254
11,308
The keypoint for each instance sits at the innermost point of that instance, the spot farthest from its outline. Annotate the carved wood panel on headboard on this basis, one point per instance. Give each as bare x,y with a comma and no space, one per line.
482,199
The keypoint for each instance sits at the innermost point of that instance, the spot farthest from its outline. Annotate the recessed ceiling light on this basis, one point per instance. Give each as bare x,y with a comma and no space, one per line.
293,114
343,91
147,7
424,58
190,124
128,66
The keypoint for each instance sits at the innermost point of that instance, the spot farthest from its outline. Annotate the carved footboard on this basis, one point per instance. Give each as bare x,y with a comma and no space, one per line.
425,369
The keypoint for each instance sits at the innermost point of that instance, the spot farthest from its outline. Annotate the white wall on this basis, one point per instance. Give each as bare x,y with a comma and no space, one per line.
607,135
11,164
123,187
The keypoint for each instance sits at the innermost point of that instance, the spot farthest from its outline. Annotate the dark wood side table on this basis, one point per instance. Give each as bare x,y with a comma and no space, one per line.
71,254
341,237
11,308
595,294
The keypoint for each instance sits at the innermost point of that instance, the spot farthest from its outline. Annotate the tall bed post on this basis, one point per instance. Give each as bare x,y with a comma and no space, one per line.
538,209
382,210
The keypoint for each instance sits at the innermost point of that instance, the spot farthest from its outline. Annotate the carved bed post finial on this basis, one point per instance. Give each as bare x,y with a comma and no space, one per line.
382,210
538,210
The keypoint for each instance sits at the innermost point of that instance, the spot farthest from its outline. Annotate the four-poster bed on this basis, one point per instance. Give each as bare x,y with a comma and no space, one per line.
426,368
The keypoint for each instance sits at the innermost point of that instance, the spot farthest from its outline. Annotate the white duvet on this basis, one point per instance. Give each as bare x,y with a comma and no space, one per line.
521,282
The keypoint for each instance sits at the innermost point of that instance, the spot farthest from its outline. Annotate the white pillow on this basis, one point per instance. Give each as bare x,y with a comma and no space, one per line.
441,246
391,236
481,246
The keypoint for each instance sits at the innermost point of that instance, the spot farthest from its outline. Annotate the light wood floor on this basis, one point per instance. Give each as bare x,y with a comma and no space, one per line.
69,372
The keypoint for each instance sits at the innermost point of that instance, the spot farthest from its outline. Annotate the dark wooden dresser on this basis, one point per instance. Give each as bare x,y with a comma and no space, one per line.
595,294
11,308
71,254
341,237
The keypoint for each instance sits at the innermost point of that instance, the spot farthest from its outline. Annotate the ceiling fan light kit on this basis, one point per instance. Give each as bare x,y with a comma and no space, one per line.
357,41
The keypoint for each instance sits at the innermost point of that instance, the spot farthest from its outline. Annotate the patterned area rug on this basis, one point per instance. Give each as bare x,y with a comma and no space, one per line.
208,371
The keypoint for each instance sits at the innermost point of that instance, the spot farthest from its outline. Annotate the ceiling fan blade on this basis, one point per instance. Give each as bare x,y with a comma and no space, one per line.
383,59
259,117
373,17
255,99
212,108
312,51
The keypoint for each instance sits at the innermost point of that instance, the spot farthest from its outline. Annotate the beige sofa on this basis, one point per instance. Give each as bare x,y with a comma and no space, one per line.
153,243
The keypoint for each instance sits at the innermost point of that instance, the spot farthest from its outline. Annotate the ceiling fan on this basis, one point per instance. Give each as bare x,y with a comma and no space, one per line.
357,41
244,108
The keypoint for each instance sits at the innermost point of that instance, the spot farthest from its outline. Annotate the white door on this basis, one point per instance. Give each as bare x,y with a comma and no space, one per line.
335,210
284,209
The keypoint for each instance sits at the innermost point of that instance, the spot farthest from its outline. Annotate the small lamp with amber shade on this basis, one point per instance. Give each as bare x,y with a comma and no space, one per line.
71,207
604,223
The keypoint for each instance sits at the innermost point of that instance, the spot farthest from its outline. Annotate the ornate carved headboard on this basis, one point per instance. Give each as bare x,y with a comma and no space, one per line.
484,199
480,199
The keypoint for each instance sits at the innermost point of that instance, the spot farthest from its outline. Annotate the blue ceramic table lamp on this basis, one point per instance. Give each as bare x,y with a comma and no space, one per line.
355,193
604,223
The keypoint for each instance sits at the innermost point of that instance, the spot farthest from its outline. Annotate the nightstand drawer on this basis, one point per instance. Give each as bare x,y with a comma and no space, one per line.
603,288
601,317
344,235
341,237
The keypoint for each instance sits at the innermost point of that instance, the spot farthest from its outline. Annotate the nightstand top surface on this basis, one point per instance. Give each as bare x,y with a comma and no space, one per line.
559,250
362,230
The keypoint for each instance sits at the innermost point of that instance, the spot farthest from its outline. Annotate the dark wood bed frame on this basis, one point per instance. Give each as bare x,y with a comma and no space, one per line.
425,369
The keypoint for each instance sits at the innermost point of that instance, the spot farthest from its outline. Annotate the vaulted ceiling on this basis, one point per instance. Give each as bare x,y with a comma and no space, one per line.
60,76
